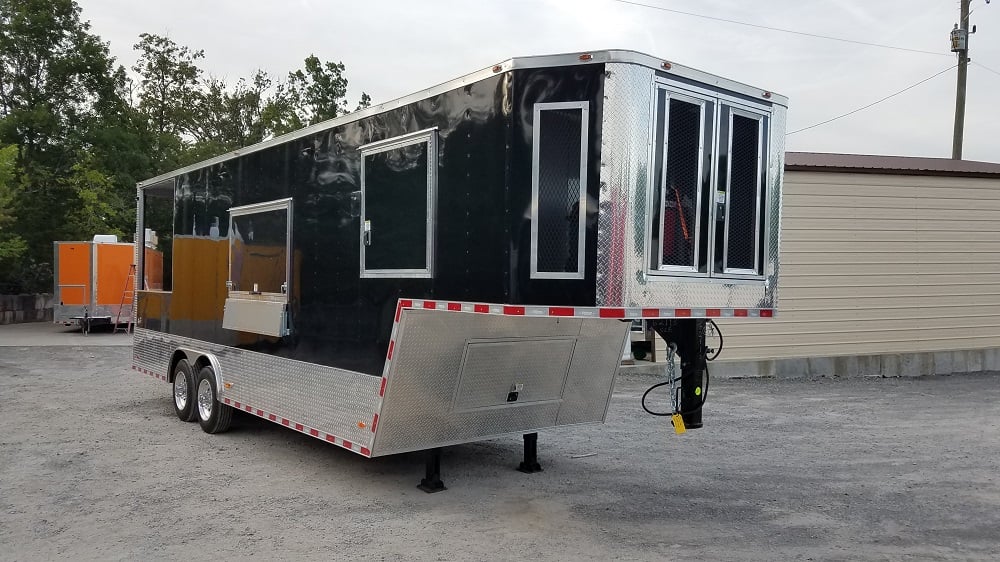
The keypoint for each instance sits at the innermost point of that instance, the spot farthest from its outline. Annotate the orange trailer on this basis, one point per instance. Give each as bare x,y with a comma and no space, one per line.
92,282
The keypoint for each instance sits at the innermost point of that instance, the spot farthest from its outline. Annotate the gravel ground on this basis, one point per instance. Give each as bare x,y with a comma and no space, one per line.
94,465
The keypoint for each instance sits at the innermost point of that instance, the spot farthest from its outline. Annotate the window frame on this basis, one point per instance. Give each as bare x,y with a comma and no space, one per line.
763,140
425,136
701,221
252,209
538,108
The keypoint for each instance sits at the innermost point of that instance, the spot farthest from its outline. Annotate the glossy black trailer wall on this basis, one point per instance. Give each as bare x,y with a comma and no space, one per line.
481,228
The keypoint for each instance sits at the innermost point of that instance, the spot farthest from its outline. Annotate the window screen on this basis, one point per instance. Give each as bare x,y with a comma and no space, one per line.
744,194
559,188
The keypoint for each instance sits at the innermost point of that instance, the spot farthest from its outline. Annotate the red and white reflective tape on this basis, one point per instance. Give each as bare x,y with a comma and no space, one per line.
300,427
631,313
150,373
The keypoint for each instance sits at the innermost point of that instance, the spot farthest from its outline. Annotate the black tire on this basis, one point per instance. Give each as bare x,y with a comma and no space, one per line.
213,415
185,406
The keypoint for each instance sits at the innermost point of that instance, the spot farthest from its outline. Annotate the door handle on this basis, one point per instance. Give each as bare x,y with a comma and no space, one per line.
368,233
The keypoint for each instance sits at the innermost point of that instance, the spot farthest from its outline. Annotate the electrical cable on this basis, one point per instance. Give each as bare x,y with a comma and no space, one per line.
910,87
984,67
705,381
715,355
704,396
782,30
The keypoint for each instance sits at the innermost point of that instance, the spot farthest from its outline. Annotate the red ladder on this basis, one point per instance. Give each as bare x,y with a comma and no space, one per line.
127,296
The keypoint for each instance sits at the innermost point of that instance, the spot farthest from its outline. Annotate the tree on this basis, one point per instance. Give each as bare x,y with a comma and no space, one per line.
58,83
168,92
12,246
248,112
318,92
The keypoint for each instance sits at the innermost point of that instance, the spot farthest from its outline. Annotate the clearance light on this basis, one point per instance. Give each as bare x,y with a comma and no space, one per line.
496,68
586,57
666,65
766,94
361,424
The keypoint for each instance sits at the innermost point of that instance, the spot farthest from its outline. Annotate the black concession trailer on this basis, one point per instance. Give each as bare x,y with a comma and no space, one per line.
464,262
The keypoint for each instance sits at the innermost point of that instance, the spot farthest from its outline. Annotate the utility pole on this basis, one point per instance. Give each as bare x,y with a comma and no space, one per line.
960,45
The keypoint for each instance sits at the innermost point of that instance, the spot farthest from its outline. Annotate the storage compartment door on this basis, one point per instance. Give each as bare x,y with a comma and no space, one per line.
73,273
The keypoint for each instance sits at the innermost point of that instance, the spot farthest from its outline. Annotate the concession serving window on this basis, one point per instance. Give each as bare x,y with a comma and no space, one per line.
260,248
708,177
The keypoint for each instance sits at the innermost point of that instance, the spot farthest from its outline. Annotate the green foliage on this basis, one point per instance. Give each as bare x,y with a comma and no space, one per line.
76,133
318,90
12,246
167,94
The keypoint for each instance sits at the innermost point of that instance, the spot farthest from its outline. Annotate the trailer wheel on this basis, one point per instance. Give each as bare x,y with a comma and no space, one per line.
213,415
184,392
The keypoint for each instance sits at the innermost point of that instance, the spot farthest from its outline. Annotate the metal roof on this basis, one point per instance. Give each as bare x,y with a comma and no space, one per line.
874,164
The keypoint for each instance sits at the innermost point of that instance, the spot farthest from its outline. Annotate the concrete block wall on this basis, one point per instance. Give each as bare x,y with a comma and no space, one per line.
884,365
16,309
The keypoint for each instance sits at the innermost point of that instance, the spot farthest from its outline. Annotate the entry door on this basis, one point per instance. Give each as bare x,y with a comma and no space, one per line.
397,206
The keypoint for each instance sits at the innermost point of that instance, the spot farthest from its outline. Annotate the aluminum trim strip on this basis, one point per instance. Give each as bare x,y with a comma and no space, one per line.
426,136
397,142
581,238
253,208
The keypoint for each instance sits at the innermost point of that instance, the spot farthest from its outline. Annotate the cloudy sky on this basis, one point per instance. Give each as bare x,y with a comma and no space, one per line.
395,47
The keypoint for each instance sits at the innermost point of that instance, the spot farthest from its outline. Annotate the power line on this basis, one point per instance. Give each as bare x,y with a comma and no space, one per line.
983,66
792,31
910,87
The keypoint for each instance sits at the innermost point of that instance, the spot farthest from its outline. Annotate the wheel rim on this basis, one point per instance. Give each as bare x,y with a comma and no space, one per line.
181,391
205,399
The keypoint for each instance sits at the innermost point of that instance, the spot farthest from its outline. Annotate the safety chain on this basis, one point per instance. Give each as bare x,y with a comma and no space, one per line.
671,349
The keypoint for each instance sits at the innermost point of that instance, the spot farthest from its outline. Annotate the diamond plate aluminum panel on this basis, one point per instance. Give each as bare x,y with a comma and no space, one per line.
419,410
331,400
622,278
592,373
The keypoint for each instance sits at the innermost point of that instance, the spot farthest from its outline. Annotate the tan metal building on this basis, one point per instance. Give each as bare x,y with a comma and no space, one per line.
889,266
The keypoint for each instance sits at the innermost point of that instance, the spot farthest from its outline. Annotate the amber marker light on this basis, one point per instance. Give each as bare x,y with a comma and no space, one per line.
586,57
362,425
227,384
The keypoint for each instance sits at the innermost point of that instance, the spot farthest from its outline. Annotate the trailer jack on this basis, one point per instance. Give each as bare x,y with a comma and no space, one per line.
688,336
431,482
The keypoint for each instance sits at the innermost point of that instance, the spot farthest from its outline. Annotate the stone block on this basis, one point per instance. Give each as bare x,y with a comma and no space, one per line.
975,361
821,366
943,363
890,366
870,365
991,360
791,368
